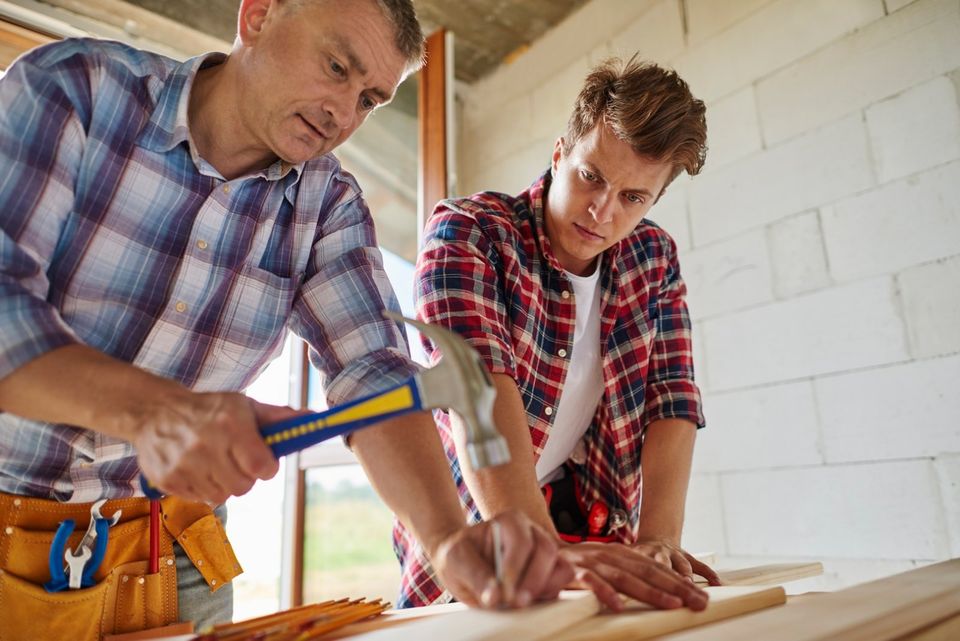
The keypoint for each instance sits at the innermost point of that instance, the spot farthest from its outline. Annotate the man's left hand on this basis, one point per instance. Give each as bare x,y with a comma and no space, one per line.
673,556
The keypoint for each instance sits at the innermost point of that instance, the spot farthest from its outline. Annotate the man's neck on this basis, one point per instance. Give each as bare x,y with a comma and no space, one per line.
216,126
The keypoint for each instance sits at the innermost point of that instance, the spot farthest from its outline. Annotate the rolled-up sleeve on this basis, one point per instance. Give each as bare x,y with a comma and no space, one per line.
457,287
339,309
670,388
41,142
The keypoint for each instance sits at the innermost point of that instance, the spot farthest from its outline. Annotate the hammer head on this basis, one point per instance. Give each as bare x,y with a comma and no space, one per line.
461,382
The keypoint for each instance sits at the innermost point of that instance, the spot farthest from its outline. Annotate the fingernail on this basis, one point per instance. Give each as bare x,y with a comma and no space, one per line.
487,596
523,598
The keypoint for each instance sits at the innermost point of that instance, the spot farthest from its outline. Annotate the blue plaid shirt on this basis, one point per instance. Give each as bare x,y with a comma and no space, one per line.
116,234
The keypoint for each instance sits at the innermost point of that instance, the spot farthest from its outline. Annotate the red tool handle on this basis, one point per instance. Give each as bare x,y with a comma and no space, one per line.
154,566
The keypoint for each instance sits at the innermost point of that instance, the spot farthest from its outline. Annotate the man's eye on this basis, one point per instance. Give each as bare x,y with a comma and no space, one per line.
588,175
367,104
337,68
635,198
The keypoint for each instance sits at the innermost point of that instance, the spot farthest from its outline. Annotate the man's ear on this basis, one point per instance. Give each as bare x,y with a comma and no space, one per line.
557,155
251,18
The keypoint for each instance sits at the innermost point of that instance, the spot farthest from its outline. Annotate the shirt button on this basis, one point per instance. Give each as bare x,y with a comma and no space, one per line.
565,294
562,353
226,189
181,306
202,244
548,411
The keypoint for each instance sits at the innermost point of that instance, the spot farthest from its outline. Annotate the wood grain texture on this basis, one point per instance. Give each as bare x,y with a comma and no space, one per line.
643,622
883,610
769,574
531,624
948,630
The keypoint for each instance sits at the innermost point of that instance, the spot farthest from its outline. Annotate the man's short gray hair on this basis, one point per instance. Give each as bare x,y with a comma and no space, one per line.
408,34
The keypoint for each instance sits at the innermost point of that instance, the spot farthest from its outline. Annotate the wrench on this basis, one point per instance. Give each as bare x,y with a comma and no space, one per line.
91,533
76,563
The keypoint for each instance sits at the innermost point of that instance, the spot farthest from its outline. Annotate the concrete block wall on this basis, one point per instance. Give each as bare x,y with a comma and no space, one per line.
821,248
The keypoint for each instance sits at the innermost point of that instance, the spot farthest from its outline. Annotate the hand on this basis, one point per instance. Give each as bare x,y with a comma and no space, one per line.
673,556
207,446
530,566
611,568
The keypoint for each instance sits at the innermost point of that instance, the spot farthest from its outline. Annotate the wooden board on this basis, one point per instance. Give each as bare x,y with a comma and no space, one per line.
883,610
768,574
643,622
948,630
537,622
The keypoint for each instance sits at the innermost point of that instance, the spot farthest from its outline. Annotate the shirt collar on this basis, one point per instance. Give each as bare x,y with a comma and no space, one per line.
168,125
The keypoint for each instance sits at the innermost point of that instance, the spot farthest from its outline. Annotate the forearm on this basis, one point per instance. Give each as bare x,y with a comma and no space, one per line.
513,485
404,460
666,459
81,386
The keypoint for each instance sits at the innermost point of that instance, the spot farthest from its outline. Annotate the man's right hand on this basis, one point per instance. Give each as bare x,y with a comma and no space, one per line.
531,569
207,446
611,569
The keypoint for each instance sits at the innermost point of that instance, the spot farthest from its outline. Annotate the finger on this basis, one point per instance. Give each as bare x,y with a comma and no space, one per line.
517,541
660,578
637,587
680,563
540,567
562,574
466,572
604,592
702,569
251,454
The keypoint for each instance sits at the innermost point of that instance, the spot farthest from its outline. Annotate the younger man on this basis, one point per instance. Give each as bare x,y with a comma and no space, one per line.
575,303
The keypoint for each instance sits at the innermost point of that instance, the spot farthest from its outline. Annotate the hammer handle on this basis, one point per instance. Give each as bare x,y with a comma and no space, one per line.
300,432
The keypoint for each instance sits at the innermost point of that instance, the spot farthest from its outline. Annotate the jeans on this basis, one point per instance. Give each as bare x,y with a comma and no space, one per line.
195,601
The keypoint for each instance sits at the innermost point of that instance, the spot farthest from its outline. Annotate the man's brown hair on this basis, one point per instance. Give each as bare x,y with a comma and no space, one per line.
646,106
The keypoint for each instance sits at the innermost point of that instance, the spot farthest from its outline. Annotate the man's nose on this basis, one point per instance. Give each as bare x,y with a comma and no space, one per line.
339,108
602,209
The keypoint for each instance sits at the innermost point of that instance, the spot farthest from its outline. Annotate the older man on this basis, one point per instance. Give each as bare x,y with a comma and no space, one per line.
162,224
575,302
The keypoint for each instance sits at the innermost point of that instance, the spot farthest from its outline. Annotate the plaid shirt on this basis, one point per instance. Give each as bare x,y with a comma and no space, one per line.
488,273
115,234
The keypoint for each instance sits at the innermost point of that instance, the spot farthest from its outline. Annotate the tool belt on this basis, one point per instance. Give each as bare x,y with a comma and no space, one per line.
124,596
576,521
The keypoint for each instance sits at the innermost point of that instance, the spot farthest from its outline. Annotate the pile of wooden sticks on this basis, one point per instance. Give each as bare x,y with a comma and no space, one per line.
298,624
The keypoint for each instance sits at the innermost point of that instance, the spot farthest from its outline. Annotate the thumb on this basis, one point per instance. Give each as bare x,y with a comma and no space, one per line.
268,414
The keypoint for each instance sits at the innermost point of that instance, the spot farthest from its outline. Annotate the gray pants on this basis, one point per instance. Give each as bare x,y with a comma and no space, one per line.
195,601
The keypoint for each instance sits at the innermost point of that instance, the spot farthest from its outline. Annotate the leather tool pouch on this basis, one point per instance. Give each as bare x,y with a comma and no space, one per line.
125,597
568,511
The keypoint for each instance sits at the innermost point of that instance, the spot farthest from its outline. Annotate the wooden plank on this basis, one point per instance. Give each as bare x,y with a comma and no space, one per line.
882,610
640,621
774,574
537,622
947,630
14,40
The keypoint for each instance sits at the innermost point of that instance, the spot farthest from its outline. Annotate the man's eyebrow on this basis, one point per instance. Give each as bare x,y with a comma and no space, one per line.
347,51
637,190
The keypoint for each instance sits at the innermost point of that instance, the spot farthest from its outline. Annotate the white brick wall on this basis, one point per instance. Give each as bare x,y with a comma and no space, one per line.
821,248
783,31
899,412
899,225
703,529
932,309
916,130
948,471
767,427
804,173
798,255
887,56
733,128
833,330
726,276
871,511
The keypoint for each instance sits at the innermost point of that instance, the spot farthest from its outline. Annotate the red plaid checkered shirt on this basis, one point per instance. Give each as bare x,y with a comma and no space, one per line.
487,272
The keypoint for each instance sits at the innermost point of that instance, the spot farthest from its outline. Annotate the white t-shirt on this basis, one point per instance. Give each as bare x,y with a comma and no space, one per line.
583,386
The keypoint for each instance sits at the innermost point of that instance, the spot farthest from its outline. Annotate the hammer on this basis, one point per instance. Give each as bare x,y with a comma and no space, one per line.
459,382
